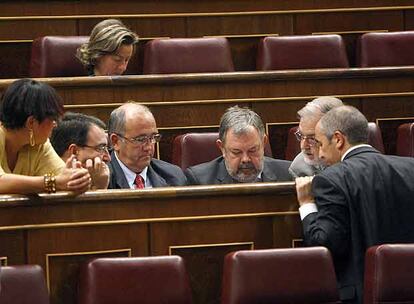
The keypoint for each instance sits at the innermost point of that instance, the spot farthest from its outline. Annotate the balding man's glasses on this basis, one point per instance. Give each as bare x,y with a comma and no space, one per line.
143,139
310,138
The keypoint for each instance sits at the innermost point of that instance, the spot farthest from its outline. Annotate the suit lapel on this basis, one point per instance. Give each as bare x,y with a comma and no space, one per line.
223,176
118,176
267,174
155,179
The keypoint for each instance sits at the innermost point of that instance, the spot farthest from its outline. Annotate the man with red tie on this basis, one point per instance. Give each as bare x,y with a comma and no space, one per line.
133,134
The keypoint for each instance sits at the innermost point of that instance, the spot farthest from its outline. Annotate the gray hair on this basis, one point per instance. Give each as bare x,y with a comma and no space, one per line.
319,106
239,120
347,120
106,38
117,119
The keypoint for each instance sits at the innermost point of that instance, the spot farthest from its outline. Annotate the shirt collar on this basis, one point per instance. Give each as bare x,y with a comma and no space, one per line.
352,149
130,175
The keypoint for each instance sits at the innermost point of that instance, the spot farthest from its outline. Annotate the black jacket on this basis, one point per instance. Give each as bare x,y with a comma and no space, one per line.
367,199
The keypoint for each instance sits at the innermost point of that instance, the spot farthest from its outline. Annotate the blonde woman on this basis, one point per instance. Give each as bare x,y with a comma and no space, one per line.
28,163
109,49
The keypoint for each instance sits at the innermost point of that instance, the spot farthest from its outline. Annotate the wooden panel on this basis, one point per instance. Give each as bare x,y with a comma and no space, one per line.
206,284
409,20
62,272
46,7
233,25
13,247
30,29
347,21
14,60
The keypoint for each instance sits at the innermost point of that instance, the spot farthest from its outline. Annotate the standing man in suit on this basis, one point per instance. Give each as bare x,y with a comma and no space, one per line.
133,134
363,198
307,162
241,140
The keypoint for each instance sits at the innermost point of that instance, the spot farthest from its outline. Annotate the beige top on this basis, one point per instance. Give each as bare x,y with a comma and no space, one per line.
32,161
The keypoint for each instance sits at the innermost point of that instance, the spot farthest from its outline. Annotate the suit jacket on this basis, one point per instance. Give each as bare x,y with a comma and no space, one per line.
300,168
365,200
215,172
160,174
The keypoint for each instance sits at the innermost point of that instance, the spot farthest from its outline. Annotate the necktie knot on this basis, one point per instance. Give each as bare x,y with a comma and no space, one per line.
139,182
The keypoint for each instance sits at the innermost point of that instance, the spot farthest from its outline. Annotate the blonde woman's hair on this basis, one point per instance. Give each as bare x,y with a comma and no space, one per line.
106,38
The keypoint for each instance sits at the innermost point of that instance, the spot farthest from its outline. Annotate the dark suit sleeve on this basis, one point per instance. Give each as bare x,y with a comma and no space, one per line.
191,177
330,226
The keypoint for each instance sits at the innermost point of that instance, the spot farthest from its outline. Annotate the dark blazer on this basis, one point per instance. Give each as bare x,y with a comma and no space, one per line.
215,172
160,174
367,199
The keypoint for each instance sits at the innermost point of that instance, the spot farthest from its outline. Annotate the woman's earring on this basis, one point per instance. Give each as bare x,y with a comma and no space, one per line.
32,140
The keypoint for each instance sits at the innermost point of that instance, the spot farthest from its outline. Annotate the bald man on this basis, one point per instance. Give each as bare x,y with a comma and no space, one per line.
133,134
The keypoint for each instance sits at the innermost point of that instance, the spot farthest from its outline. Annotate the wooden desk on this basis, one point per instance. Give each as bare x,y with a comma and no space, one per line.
200,223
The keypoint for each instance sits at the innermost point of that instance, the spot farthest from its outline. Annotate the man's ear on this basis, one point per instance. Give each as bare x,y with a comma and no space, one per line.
114,141
220,145
265,139
73,149
340,140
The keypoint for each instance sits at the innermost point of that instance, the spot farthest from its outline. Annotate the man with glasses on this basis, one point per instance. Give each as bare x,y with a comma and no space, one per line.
133,134
84,136
307,162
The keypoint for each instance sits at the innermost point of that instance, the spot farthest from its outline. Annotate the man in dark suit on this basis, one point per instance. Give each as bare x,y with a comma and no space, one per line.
362,199
241,140
133,134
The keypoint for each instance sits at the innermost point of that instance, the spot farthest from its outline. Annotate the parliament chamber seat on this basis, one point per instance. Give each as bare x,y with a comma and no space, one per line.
158,279
187,55
55,56
374,139
195,148
405,140
23,284
301,52
389,274
386,49
294,275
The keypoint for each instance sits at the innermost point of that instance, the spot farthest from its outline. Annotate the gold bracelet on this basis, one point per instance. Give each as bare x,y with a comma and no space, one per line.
50,183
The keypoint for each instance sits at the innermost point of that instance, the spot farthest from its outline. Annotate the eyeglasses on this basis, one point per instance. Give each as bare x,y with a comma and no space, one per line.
102,148
310,138
143,139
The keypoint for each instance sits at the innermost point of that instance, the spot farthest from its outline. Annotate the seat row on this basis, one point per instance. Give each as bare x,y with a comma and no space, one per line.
54,56
301,275
194,148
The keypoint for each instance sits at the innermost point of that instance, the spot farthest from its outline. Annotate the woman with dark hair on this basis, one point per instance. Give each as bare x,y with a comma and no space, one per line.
28,164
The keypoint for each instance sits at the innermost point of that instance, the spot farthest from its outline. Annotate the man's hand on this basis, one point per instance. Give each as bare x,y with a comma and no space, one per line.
99,172
304,190
73,177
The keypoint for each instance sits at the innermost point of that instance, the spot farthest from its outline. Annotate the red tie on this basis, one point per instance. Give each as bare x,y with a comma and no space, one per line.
139,182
